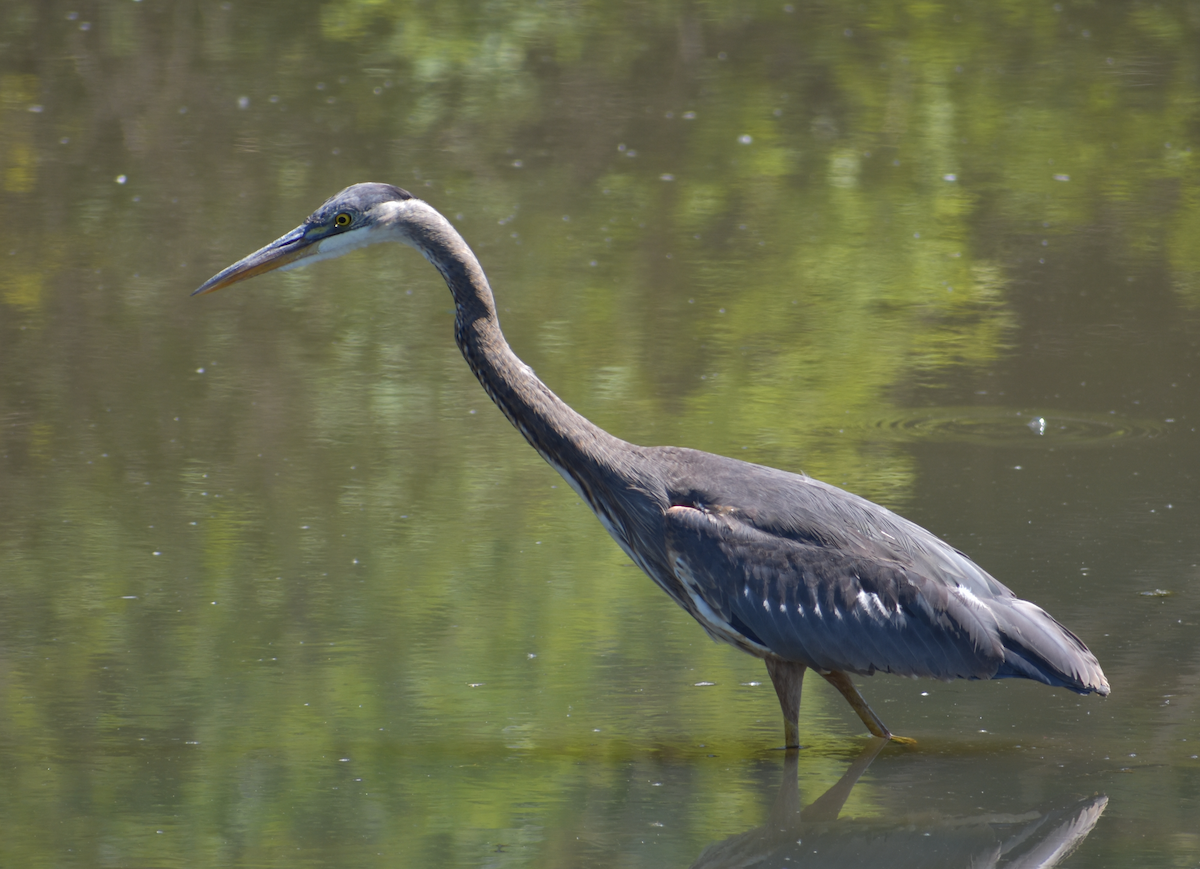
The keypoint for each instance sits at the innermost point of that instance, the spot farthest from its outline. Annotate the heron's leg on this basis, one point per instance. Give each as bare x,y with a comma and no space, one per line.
842,682
828,806
786,813
788,679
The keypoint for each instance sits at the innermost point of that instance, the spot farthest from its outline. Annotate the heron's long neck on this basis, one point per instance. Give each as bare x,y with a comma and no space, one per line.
571,443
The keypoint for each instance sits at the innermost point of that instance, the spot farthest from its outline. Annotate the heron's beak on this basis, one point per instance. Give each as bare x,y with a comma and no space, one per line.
284,251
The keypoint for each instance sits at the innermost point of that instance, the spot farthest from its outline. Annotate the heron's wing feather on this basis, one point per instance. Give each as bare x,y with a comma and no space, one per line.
809,512
1037,646
828,608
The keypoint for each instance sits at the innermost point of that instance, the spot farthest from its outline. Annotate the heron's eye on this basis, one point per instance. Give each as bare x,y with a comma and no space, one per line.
342,220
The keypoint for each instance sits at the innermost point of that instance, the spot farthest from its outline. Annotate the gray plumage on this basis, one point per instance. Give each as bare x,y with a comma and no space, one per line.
785,567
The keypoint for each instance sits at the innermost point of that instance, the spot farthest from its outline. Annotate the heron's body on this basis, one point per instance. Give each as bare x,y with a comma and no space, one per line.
785,567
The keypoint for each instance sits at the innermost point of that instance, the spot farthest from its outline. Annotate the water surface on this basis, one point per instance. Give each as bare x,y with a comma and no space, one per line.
279,586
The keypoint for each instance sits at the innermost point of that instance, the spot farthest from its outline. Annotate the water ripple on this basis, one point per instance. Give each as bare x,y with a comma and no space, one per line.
1000,426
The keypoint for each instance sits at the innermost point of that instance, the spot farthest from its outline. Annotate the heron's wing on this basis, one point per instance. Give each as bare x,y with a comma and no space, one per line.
826,607
808,511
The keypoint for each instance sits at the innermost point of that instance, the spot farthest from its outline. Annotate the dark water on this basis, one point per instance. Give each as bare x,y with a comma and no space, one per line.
279,586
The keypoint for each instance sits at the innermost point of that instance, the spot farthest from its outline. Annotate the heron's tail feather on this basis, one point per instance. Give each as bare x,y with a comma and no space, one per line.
1038,647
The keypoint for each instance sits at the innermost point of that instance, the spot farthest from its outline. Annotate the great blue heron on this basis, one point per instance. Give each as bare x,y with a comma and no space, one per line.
785,567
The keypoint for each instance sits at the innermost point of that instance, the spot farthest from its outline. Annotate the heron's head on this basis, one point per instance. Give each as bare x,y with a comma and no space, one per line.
359,215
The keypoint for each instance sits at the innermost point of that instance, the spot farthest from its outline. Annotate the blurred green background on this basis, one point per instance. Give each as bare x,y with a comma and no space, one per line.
278,586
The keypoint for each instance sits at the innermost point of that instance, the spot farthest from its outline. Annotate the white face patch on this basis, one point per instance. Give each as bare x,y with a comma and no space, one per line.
336,245
342,243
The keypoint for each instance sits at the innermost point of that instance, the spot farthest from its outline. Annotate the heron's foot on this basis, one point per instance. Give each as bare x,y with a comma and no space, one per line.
881,732
842,682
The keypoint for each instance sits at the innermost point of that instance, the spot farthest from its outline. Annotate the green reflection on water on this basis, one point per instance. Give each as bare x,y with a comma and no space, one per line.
740,229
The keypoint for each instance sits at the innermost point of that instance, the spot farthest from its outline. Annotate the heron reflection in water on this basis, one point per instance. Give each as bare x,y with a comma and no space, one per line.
785,567
816,837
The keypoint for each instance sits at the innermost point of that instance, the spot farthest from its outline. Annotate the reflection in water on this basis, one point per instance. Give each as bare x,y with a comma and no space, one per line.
813,836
